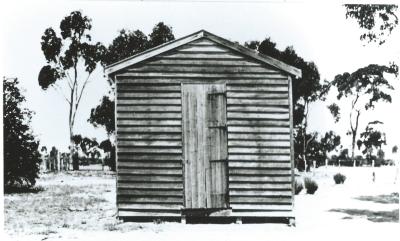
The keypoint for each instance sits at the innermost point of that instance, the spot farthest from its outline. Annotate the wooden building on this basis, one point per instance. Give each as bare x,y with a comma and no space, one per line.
204,128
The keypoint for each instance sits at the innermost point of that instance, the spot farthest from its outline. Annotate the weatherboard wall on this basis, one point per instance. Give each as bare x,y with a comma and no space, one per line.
149,131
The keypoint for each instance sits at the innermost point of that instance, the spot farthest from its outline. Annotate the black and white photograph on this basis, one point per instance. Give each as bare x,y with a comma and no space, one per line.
200,120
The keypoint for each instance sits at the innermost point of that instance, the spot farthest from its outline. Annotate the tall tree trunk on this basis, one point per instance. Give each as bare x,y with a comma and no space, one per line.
354,128
353,145
73,156
306,141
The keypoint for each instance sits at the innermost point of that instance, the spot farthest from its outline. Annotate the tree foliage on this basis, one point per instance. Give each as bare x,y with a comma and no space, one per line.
335,111
109,147
367,81
161,34
395,149
371,138
376,20
320,146
103,115
85,144
21,150
126,44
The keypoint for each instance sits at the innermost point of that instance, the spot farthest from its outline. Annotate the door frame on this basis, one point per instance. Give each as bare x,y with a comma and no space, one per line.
183,162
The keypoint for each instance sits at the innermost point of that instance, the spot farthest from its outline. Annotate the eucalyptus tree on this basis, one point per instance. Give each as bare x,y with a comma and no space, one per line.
71,59
363,88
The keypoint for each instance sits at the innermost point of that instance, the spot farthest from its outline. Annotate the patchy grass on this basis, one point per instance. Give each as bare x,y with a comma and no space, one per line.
385,199
80,200
373,216
22,189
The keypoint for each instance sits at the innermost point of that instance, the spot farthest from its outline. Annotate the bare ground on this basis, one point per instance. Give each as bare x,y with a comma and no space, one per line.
81,205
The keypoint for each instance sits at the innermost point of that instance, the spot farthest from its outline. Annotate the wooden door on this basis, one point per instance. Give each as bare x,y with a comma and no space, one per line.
205,146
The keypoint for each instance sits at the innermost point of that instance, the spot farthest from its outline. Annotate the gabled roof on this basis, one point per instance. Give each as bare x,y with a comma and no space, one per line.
137,58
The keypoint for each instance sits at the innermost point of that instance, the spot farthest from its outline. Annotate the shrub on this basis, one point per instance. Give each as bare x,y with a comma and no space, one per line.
339,178
310,185
21,149
298,186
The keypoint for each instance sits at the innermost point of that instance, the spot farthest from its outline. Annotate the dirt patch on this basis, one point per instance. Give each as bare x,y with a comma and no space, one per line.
373,216
385,199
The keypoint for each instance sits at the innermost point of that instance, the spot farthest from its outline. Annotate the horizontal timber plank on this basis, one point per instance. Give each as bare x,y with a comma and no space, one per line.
203,55
137,150
204,69
202,41
259,186
152,108
259,123
237,150
150,164
176,172
148,88
148,102
150,143
134,122
133,199
149,136
244,200
149,206
269,171
139,158
234,79
147,95
181,75
146,185
237,207
149,179
201,48
269,116
252,108
163,129
257,136
246,129
256,88
203,62
261,158
244,143
149,192
147,213
252,164
149,115
255,95
266,214
260,193
258,102
247,179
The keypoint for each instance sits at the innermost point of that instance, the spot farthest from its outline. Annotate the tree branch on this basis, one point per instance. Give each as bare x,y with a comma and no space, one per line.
69,80
58,89
80,95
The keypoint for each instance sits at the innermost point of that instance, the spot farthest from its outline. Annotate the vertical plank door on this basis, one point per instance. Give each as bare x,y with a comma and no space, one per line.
205,146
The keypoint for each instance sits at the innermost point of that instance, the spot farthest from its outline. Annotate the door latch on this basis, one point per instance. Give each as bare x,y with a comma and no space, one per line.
219,127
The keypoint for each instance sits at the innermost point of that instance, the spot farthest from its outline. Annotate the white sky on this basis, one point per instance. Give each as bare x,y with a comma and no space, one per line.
318,32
